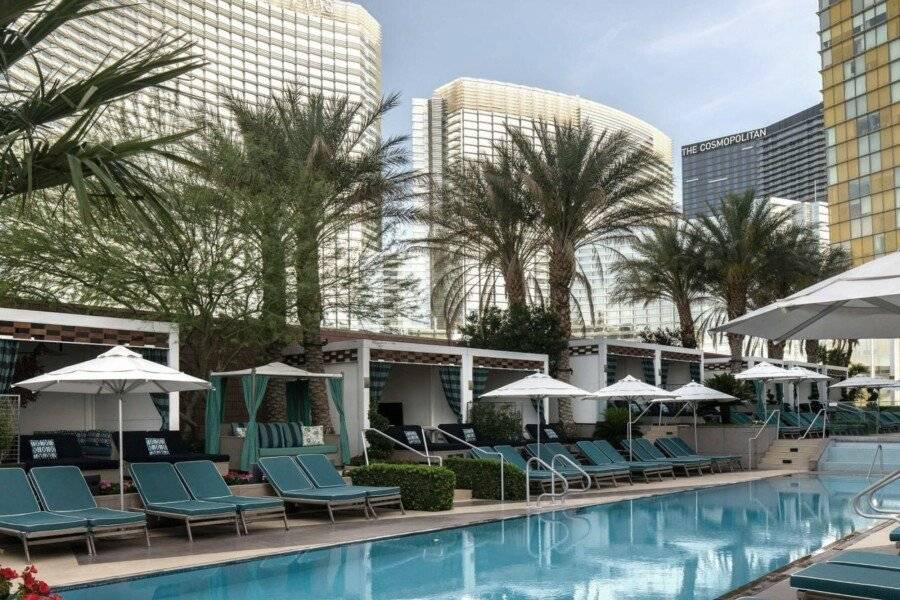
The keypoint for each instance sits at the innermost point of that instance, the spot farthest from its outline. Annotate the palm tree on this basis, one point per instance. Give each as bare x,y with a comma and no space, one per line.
482,222
666,266
320,168
49,129
738,242
589,188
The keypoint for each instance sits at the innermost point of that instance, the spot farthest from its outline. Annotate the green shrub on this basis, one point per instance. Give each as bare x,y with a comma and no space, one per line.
482,476
422,487
615,428
497,421
379,446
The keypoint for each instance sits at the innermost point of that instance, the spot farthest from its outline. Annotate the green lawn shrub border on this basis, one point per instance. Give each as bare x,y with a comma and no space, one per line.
422,487
482,476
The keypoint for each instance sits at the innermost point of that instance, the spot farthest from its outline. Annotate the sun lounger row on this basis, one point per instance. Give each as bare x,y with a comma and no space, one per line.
853,574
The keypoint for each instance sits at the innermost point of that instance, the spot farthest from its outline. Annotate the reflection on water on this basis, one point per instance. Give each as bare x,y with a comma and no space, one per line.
689,545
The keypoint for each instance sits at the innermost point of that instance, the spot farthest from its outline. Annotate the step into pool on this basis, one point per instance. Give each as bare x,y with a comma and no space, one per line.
685,545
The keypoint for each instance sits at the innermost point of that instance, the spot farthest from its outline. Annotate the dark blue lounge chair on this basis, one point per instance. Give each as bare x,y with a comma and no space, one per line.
292,485
326,477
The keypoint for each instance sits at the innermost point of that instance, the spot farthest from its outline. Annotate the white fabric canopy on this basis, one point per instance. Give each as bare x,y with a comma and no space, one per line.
537,385
631,388
807,374
766,372
865,381
118,371
278,370
695,392
861,303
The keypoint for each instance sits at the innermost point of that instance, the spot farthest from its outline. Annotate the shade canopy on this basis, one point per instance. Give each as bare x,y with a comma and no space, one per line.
865,381
807,374
536,385
631,388
278,370
766,372
695,392
861,303
116,371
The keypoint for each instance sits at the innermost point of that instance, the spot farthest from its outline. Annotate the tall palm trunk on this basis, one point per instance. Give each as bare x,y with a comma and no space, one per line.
561,274
736,348
811,347
686,323
309,313
775,349
514,283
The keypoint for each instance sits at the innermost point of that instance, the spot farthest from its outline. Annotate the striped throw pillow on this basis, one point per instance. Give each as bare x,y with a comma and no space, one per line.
292,434
270,436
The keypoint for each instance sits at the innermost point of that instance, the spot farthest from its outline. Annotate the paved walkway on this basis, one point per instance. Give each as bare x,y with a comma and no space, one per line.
62,565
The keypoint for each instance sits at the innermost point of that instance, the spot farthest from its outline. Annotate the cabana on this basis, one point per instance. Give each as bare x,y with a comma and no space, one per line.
253,383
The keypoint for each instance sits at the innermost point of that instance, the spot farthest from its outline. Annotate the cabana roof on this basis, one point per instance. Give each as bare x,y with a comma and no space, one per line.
278,370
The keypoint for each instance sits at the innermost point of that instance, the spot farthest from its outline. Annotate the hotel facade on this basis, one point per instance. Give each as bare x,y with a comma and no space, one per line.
463,120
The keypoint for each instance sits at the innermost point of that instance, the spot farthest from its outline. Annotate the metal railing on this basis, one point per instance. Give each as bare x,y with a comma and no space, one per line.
879,451
478,451
869,493
561,496
824,413
579,468
428,458
759,433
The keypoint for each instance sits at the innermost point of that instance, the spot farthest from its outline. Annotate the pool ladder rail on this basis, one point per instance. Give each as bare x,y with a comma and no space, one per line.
865,504
556,472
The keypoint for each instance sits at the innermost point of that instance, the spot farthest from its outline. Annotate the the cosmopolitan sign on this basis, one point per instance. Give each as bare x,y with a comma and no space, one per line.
722,142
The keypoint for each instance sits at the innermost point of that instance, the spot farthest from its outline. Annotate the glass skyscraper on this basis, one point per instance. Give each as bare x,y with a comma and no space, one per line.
784,159
463,120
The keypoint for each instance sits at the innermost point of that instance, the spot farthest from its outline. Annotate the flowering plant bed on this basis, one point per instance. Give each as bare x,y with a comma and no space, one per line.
108,488
26,586
240,478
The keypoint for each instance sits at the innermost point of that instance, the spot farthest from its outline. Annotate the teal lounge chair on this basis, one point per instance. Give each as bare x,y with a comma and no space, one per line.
672,450
64,491
164,495
731,460
836,580
895,536
21,516
647,452
597,457
292,485
599,474
204,482
606,448
542,476
326,477
876,560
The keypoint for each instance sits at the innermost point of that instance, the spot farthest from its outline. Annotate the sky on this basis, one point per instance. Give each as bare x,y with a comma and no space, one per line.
695,69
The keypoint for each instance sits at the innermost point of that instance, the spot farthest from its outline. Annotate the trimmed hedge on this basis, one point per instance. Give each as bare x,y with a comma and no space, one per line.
482,476
422,487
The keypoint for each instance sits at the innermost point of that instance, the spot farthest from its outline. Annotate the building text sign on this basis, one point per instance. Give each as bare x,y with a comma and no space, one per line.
722,142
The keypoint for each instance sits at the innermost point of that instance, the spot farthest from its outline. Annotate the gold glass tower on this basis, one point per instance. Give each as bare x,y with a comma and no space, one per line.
860,50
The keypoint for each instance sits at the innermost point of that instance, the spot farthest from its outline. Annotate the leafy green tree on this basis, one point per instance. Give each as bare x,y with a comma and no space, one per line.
589,188
666,266
519,329
49,129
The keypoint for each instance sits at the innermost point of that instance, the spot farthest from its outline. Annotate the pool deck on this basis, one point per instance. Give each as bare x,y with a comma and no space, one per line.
63,565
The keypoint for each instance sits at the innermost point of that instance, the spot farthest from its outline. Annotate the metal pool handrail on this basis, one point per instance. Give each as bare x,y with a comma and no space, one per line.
552,494
869,492
584,474
427,457
823,412
879,451
474,447
759,433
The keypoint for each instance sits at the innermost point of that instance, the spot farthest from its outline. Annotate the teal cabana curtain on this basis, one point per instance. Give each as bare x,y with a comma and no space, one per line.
299,401
160,401
378,376
9,350
336,386
760,389
610,369
649,373
253,399
450,382
664,373
479,381
779,393
214,398
695,371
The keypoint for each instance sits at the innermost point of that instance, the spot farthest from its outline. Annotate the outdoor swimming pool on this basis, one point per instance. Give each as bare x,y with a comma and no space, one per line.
685,545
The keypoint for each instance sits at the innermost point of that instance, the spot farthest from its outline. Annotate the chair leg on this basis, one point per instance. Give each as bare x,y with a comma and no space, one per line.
238,517
244,523
284,518
187,524
372,510
402,510
27,552
91,544
330,513
147,534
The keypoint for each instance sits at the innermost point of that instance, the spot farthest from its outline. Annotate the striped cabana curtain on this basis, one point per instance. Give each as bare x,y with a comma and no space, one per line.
299,403
649,373
378,376
160,400
664,373
9,350
479,381
450,382
610,369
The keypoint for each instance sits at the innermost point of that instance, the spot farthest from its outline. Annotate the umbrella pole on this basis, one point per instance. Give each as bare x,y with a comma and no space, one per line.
628,410
121,457
694,406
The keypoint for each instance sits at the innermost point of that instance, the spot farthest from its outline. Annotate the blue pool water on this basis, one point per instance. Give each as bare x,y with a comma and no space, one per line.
858,457
686,545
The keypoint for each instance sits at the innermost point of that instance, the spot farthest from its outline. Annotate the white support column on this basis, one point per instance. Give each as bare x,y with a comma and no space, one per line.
174,398
362,356
466,376
602,359
872,358
657,367
702,367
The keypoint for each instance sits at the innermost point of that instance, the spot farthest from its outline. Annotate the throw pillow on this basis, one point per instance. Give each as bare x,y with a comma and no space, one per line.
241,432
313,436
157,446
412,438
270,436
292,433
551,435
469,435
42,449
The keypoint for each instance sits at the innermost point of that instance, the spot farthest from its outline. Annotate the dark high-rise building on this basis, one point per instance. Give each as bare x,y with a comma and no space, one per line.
784,159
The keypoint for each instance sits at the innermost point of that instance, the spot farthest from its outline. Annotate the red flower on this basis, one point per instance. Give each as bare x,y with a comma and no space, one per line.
42,587
8,574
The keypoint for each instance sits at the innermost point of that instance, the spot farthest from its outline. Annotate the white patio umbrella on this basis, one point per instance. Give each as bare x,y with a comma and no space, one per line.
628,389
861,303
539,386
764,372
278,370
118,371
694,393
804,374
